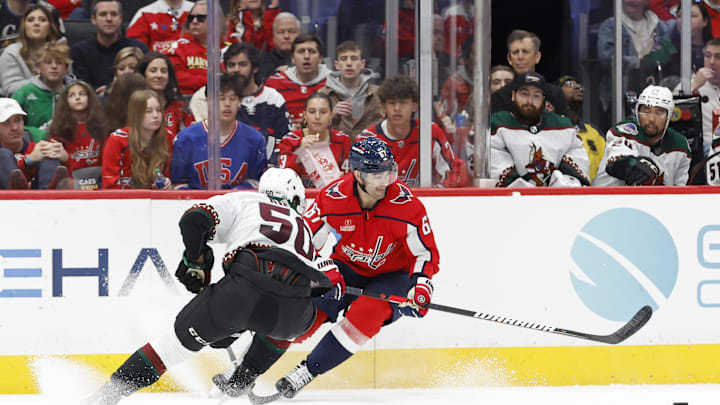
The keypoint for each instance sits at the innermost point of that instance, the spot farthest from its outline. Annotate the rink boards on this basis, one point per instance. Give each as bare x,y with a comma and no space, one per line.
92,280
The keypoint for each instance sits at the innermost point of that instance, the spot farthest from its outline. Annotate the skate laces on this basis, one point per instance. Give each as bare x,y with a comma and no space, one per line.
299,377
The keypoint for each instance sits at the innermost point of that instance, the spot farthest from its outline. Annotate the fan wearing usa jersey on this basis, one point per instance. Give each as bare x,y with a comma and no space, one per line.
242,148
399,97
308,75
271,274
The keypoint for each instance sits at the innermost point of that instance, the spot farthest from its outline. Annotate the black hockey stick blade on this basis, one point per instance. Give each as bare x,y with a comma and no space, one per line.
627,330
260,400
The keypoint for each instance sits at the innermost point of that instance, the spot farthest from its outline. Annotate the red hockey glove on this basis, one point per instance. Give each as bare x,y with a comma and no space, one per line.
419,296
458,175
195,276
331,271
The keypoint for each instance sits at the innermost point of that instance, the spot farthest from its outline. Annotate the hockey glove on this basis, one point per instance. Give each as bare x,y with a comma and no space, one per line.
458,175
330,269
643,173
195,276
419,296
559,179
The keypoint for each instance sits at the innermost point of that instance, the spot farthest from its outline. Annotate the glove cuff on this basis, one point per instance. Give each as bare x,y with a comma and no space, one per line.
193,265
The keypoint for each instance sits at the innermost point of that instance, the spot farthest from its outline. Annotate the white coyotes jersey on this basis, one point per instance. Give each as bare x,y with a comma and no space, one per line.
628,139
535,151
247,218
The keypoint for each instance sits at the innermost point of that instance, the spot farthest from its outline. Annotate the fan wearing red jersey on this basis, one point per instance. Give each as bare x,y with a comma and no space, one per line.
317,135
308,75
399,97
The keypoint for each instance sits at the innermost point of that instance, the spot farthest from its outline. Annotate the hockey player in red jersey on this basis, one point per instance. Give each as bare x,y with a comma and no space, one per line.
386,245
399,97
271,275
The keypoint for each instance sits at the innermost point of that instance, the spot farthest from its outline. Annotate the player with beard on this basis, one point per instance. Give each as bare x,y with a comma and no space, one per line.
261,107
531,147
644,150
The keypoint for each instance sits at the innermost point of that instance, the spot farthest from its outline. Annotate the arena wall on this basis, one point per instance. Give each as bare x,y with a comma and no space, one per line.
89,280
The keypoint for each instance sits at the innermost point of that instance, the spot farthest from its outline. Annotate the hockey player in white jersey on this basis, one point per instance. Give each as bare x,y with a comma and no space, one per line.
645,150
271,276
532,147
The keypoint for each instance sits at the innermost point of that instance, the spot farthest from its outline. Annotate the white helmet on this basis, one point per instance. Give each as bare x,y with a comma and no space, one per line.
656,96
284,185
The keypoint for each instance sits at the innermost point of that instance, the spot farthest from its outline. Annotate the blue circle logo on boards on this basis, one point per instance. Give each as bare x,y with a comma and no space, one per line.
625,259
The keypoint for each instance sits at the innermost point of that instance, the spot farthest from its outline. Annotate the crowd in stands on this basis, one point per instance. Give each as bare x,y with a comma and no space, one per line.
127,107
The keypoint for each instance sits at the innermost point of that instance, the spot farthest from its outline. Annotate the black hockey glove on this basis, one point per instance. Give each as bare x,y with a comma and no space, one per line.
643,173
195,276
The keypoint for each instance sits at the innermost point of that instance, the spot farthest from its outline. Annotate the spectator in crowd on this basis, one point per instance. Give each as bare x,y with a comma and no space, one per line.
262,107
37,98
24,163
160,76
93,58
132,154
354,13
647,48
159,23
116,106
399,97
532,147
456,90
189,53
523,55
700,32
286,28
18,59
706,81
644,150
305,78
65,7
459,22
125,61
593,141
242,148
10,16
326,143
500,76
405,32
353,96
713,9
664,8
252,21
441,58
79,125
82,12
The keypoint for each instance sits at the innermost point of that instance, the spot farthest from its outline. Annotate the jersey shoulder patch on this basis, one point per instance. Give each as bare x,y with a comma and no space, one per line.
627,128
404,195
333,191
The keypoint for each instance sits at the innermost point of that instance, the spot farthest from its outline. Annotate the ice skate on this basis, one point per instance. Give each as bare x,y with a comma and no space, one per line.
294,381
241,381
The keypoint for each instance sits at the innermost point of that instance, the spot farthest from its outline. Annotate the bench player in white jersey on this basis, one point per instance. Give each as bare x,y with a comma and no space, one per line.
644,150
271,276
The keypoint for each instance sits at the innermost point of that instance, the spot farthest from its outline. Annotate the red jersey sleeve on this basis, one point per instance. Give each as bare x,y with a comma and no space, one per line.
112,162
286,151
140,30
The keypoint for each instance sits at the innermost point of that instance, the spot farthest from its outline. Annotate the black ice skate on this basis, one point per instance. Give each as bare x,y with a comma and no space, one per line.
240,383
109,394
294,381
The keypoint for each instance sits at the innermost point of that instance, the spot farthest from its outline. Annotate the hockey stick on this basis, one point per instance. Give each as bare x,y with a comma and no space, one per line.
633,325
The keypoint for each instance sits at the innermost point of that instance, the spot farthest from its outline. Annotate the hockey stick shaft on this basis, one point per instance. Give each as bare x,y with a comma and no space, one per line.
633,325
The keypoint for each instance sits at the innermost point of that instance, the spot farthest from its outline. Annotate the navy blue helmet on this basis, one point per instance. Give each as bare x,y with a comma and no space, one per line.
371,155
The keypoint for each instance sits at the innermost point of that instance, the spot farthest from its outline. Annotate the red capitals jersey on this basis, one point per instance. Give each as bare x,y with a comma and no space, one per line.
189,58
340,144
242,28
65,7
395,235
176,118
157,25
455,94
294,94
116,160
29,171
84,150
407,151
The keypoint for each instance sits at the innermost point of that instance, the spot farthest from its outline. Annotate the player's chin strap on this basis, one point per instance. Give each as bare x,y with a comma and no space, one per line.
628,329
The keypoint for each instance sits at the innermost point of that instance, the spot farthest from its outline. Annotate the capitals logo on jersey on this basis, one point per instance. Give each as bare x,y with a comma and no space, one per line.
405,196
334,191
371,256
